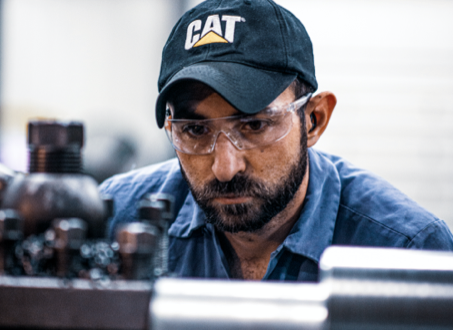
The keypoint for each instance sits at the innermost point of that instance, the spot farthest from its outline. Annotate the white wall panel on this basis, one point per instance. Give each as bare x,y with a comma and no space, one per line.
90,60
390,63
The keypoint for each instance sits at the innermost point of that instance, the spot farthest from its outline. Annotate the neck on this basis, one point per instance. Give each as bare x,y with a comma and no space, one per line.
253,250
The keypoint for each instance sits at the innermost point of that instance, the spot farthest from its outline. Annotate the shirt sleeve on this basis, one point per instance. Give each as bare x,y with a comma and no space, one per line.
435,236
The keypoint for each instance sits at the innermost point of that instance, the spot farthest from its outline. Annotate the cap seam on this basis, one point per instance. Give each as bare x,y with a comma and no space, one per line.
280,19
208,52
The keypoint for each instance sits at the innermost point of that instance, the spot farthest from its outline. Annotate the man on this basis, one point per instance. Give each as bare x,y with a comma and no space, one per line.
253,199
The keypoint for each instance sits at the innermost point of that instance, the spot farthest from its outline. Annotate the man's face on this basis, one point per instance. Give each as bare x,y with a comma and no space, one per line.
242,190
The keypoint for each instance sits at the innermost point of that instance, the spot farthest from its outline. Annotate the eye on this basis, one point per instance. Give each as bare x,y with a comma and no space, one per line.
195,130
255,125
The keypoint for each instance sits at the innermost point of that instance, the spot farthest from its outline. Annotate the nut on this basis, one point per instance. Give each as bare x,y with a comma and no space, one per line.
138,238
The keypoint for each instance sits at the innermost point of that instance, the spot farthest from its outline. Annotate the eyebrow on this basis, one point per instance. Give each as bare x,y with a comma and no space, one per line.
191,116
188,112
185,112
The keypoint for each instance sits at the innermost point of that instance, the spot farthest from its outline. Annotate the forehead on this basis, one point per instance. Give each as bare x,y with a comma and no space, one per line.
195,100
215,106
185,96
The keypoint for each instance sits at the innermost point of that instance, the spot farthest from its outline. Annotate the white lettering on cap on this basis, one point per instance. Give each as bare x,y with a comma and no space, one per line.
212,24
192,39
212,31
230,26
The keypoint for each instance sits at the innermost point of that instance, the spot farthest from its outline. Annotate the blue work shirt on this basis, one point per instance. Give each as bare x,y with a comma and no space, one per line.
344,205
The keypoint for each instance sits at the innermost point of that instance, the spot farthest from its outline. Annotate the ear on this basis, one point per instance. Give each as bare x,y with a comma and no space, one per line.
167,124
321,106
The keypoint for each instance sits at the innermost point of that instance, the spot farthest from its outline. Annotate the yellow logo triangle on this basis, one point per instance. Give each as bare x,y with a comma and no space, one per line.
210,38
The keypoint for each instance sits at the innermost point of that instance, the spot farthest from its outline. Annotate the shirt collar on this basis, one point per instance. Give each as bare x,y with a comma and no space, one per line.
190,218
312,233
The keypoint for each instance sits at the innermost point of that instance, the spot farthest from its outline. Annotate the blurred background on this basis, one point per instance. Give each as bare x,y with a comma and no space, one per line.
390,64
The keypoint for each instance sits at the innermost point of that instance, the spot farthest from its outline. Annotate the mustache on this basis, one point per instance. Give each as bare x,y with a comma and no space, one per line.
238,186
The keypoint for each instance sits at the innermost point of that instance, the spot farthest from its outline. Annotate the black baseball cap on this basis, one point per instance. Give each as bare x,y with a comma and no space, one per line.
248,51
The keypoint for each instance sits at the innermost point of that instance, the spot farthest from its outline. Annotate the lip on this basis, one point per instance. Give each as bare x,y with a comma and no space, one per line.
232,200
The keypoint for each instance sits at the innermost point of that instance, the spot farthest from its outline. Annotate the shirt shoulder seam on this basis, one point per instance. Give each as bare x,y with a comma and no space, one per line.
432,223
377,222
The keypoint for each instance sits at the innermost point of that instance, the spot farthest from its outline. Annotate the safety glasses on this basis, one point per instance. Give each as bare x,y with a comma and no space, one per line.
198,137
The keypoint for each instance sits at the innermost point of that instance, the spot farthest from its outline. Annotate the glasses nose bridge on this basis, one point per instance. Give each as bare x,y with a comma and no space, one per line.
230,137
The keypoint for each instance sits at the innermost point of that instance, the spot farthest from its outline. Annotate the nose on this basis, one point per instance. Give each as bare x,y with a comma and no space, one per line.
228,161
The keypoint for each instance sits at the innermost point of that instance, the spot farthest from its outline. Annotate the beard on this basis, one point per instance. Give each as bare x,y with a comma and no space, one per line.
268,200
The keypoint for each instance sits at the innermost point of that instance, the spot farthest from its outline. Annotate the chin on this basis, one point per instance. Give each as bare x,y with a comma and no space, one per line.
233,218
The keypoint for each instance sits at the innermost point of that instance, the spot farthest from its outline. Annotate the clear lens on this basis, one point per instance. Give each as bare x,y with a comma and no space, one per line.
199,137
245,132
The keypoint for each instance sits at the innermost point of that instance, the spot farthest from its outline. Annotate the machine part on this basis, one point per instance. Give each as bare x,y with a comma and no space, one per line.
10,226
6,175
10,233
109,210
169,202
388,288
41,197
69,237
168,218
52,303
151,210
55,147
55,188
137,244
228,305
360,288
109,205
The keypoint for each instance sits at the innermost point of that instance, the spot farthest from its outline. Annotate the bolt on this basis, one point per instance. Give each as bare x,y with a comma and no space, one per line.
137,244
70,234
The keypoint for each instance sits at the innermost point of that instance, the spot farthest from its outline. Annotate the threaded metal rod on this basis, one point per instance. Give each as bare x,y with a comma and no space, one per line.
55,161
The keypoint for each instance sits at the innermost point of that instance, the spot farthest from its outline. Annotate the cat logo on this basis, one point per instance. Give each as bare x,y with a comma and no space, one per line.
212,31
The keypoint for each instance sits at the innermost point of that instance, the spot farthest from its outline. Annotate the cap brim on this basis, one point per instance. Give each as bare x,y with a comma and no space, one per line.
247,89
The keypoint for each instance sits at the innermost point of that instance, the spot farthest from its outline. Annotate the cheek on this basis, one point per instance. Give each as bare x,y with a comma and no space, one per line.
273,162
196,167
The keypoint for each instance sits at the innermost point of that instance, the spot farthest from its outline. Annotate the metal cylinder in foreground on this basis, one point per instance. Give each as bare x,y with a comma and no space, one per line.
360,288
385,289
228,305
